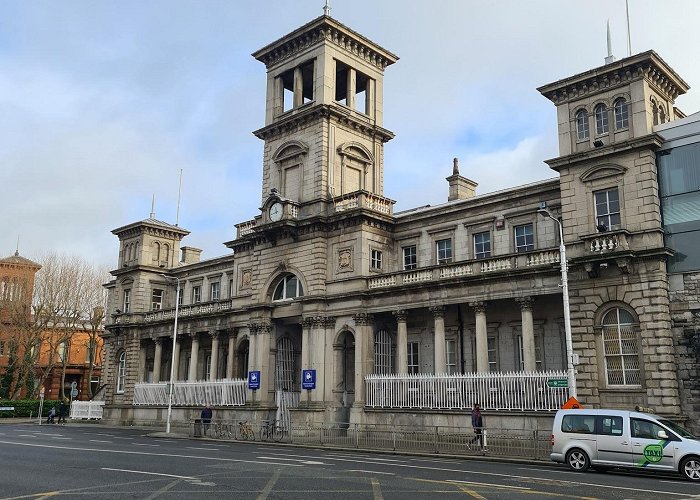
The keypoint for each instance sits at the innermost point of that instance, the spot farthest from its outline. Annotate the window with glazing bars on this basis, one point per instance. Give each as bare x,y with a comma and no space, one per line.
620,348
196,294
413,357
215,291
601,119
383,355
444,251
524,238
482,245
493,354
157,299
410,257
376,259
607,208
582,125
621,112
451,355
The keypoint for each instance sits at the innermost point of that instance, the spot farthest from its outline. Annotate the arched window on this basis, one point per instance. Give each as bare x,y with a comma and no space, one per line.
601,119
289,288
156,251
655,112
121,373
662,114
582,125
383,355
621,113
620,348
284,365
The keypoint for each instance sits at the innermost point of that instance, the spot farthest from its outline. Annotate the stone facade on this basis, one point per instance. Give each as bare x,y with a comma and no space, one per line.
328,277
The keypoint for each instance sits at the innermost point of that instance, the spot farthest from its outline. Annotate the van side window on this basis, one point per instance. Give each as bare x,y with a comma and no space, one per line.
610,426
580,424
645,429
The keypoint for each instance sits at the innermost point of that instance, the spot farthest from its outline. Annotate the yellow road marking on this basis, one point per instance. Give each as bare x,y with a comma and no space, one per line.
471,492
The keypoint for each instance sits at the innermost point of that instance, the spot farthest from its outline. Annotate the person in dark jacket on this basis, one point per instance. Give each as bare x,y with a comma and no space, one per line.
206,418
478,425
62,411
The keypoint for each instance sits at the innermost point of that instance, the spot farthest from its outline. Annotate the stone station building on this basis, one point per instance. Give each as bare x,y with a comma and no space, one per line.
328,277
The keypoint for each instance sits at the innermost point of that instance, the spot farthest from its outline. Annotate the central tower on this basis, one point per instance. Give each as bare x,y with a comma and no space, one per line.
323,122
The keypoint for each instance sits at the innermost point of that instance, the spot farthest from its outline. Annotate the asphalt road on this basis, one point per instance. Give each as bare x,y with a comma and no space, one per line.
92,461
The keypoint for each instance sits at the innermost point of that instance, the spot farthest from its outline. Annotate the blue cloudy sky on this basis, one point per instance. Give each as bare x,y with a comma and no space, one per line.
102,103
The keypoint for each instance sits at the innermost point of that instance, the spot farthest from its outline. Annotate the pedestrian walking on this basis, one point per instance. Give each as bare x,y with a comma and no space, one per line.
206,418
62,412
478,425
51,416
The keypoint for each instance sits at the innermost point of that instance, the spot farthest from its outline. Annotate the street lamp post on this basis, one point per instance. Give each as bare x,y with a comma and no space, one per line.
571,375
172,361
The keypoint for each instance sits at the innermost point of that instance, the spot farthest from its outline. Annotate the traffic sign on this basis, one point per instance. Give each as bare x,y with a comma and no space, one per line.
557,382
308,379
254,380
74,392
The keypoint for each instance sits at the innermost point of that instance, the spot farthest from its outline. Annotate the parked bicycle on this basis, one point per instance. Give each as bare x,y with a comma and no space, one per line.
271,430
245,431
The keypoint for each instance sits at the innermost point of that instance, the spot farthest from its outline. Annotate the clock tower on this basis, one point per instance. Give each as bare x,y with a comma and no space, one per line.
323,128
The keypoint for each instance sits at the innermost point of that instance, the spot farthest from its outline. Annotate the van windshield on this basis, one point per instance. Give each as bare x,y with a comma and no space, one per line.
677,429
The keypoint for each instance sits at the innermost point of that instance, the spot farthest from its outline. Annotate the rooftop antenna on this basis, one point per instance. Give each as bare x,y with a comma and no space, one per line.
17,249
611,57
179,191
327,9
153,206
629,41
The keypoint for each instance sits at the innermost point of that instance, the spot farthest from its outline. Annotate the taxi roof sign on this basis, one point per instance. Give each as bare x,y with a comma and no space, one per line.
571,404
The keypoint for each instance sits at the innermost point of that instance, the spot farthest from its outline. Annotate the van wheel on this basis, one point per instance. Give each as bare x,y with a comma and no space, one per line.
577,460
690,468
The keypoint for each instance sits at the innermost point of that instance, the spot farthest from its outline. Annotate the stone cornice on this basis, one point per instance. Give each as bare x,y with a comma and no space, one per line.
647,65
652,141
321,111
324,29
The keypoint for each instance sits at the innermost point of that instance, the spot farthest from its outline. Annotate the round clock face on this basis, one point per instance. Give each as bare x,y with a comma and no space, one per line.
275,211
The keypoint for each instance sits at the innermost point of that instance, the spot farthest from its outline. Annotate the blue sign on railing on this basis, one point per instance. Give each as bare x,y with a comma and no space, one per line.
254,380
308,379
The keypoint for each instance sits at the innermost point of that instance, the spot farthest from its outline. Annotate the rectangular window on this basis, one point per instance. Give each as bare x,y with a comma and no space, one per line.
180,296
196,294
62,352
607,209
413,358
126,303
410,258
444,251
482,245
207,367
376,259
524,238
230,289
578,424
451,356
493,354
157,299
520,361
2,347
215,291
609,426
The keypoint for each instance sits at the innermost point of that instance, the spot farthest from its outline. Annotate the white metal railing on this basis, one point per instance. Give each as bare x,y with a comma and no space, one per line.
493,391
190,310
86,409
224,392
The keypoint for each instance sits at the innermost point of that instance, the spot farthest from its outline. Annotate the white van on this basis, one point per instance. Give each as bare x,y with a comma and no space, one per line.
614,438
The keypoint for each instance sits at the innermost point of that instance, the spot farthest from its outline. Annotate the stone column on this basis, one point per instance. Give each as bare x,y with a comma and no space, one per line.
265,363
298,87
364,354
231,356
157,360
482,344
327,378
401,341
214,362
440,348
528,331
351,89
141,375
194,358
306,326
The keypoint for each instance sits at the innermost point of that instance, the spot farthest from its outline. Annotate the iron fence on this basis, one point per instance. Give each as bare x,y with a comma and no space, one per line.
224,392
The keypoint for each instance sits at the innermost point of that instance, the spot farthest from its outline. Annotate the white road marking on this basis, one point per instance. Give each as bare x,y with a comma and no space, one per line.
195,448
488,484
26,435
99,441
58,437
146,444
305,462
149,473
371,472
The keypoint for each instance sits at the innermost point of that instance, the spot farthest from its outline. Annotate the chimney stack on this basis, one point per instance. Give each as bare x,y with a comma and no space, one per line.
461,188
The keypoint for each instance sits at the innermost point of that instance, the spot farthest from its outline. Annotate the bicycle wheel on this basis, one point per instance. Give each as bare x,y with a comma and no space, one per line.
249,434
278,433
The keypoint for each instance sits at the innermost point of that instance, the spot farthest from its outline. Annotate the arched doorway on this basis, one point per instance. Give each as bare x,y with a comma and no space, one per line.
344,388
242,359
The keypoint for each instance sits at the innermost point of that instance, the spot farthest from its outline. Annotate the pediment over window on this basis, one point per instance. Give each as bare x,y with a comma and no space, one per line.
357,152
602,171
290,149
